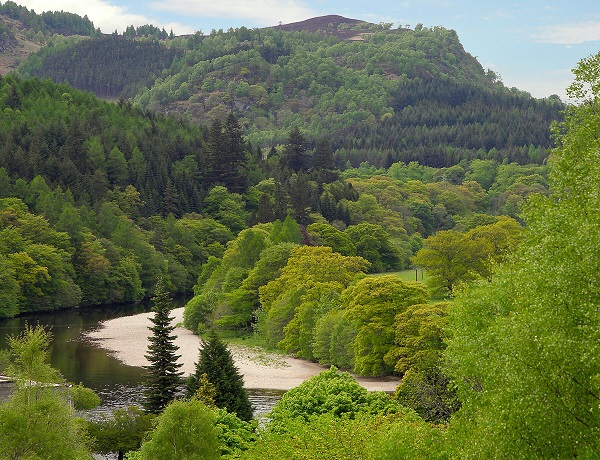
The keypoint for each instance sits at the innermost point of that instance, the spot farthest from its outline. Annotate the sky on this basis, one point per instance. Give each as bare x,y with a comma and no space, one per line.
532,44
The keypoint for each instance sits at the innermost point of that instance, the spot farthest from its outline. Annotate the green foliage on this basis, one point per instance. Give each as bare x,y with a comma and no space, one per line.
198,310
332,339
124,431
215,361
226,208
37,421
164,377
325,436
373,243
327,235
331,392
421,441
235,435
183,430
371,306
96,65
419,337
310,273
83,398
524,346
451,257
49,22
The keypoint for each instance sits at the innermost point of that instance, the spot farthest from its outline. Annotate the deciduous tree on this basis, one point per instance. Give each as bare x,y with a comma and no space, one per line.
525,347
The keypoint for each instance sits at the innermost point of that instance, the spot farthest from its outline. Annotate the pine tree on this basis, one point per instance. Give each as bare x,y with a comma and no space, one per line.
294,152
164,377
217,363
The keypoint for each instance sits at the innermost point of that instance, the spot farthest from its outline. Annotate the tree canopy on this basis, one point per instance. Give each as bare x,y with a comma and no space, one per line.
524,346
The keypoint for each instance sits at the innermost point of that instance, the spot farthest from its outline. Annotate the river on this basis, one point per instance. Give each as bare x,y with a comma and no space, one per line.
80,361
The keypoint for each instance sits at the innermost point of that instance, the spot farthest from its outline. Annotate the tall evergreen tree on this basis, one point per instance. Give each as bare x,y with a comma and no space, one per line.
233,155
226,154
217,363
164,376
294,152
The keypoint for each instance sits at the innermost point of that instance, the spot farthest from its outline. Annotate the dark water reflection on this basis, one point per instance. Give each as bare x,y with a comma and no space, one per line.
80,361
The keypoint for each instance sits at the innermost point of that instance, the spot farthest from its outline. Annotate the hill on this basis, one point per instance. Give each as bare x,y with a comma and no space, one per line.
378,94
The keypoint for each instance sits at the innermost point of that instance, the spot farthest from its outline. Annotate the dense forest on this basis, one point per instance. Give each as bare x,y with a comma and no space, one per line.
49,22
87,63
286,177
134,194
390,95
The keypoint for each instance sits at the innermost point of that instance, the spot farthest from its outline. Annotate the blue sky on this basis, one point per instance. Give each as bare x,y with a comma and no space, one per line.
532,45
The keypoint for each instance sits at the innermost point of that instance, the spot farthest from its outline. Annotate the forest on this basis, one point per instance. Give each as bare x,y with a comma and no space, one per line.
395,95
290,207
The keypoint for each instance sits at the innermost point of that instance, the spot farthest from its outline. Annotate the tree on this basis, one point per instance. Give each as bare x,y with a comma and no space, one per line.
294,152
217,363
37,421
417,356
164,377
451,257
371,306
524,348
308,267
301,195
372,242
124,431
185,430
331,392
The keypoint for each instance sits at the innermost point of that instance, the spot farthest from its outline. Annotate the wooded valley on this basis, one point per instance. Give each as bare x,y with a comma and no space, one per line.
285,179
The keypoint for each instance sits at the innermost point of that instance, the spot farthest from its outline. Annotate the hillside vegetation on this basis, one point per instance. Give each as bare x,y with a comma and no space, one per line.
378,94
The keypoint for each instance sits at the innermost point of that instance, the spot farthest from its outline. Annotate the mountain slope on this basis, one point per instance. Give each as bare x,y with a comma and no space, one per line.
378,94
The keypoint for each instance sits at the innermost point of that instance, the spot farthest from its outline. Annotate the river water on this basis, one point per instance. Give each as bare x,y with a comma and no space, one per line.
80,361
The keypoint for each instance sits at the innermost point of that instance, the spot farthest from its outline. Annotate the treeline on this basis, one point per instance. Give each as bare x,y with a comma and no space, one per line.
147,30
110,66
49,22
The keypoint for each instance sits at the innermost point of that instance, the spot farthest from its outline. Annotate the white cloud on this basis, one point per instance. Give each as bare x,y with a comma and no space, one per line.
260,12
104,15
569,34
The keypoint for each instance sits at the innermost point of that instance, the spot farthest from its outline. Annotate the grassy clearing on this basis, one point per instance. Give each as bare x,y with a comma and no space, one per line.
407,275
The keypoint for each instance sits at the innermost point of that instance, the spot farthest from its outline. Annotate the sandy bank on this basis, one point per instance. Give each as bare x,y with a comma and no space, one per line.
127,338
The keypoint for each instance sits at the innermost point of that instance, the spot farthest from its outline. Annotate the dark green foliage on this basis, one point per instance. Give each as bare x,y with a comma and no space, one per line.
294,155
96,65
227,154
217,363
49,22
75,141
164,377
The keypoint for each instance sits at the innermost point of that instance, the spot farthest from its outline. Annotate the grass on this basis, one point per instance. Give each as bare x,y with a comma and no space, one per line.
407,275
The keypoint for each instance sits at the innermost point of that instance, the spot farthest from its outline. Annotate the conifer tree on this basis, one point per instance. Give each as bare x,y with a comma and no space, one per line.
216,363
294,152
164,376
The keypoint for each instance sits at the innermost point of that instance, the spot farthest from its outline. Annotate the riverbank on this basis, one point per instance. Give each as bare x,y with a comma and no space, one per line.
127,339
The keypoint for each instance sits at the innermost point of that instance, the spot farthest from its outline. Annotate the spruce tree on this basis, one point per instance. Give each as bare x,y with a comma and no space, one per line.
294,152
217,363
164,376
